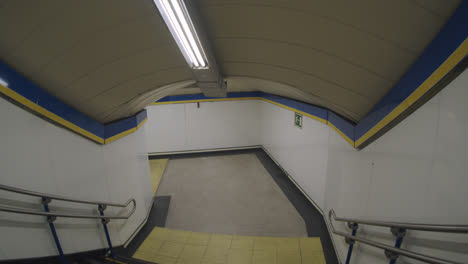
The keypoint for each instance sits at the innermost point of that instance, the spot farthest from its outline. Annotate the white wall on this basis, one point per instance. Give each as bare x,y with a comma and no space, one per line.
174,127
222,124
302,152
416,172
39,156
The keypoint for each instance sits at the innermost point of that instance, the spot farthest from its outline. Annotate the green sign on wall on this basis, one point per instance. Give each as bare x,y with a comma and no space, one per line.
298,120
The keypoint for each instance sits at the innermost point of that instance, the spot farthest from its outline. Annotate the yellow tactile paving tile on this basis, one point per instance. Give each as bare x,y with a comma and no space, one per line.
220,241
171,249
157,167
196,238
288,256
239,256
151,245
265,242
216,254
163,259
178,236
311,243
188,261
288,243
264,256
316,257
242,242
193,252
167,246
158,233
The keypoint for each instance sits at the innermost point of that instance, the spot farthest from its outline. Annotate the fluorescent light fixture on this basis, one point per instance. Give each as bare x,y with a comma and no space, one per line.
176,16
3,82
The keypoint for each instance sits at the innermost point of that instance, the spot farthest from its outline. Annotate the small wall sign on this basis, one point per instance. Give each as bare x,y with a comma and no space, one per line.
298,120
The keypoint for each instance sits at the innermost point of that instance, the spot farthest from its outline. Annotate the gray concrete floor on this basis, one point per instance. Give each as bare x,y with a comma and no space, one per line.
231,194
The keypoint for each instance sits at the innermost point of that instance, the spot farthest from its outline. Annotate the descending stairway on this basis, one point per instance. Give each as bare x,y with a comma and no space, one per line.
168,246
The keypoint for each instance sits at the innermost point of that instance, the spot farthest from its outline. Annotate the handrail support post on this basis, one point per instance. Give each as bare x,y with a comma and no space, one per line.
399,234
104,222
354,227
51,219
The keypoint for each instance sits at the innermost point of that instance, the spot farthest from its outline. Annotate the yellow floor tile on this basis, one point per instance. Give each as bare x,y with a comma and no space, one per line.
199,238
167,246
242,242
188,261
240,256
220,241
288,256
157,167
163,260
171,249
158,233
265,242
151,245
178,236
146,256
288,243
264,256
215,255
313,257
310,244
193,252
209,262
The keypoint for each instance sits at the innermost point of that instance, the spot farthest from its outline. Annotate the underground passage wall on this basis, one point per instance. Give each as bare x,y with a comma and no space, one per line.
39,156
416,172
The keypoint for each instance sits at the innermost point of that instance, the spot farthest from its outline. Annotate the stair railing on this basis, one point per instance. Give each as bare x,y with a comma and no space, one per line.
52,215
398,229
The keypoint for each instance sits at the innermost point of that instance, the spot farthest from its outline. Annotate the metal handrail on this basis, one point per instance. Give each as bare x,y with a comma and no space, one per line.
411,226
398,251
60,198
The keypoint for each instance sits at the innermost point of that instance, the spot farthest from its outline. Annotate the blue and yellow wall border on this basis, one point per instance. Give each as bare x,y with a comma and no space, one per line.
25,93
443,54
447,51
342,126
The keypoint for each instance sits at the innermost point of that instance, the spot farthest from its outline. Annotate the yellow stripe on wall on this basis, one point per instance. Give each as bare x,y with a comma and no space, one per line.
44,112
350,141
295,110
448,65
123,134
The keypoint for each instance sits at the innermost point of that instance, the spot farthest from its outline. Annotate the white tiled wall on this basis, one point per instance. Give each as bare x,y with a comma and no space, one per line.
302,152
416,172
39,156
223,124
175,127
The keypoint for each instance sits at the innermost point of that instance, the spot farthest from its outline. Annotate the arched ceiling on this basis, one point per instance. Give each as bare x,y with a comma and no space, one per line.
109,58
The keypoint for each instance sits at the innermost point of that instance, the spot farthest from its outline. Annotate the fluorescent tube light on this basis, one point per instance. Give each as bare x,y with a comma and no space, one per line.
3,82
178,20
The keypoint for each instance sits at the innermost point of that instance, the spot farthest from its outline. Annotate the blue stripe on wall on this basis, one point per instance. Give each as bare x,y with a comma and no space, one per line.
35,94
27,89
304,107
454,32
345,126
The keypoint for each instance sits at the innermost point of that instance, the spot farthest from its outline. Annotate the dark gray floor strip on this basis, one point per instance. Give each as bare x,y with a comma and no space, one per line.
314,221
157,217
